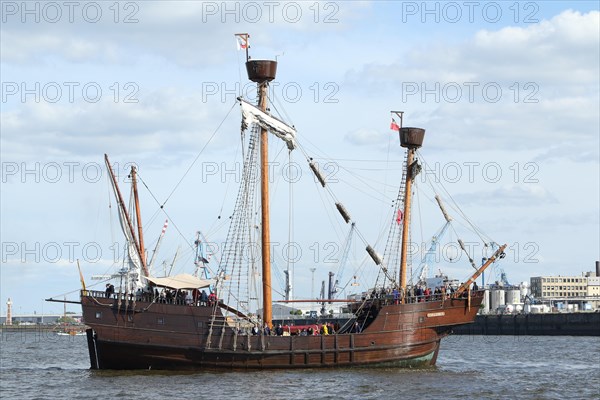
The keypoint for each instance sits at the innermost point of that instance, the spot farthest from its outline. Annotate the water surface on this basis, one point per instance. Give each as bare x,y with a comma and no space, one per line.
41,365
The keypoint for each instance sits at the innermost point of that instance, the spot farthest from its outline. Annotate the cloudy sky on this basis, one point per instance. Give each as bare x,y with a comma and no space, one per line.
507,91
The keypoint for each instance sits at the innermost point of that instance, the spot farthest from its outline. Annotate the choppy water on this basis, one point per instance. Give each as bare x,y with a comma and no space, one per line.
44,366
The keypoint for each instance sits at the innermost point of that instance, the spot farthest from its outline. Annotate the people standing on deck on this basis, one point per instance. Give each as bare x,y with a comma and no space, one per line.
110,289
212,299
279,330
449,290
411,294
419,294
427,294
266,329
203,298
396,295
475,287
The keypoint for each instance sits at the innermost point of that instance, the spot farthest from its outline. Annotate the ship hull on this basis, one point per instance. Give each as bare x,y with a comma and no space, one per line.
178,337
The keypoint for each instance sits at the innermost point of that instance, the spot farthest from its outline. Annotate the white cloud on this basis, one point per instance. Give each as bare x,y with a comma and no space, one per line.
162,120
366,137
517,87
570,152
159,27
510,196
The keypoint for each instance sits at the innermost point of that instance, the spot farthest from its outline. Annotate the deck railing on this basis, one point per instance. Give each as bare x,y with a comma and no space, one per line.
144,297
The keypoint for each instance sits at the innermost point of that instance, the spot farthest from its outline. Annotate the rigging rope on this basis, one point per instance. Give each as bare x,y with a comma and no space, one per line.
328,189
171,221
199,154
290,279
457,208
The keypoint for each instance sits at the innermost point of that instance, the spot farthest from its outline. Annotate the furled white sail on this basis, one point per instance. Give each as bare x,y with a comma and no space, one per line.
135,264
252,114
181,281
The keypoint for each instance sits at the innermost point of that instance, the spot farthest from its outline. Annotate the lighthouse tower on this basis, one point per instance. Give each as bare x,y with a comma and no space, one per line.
8,312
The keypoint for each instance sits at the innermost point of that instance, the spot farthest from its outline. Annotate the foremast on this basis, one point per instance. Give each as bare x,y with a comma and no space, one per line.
411,139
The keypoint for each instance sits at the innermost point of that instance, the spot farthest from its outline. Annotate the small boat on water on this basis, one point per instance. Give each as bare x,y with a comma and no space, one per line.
169,323
71,333
68,329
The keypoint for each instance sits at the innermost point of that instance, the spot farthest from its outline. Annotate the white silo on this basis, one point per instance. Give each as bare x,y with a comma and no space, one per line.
497,299
513,296
486,302
524,289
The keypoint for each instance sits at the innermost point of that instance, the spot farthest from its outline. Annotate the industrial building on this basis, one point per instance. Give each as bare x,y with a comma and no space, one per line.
545,294
575,292
37,319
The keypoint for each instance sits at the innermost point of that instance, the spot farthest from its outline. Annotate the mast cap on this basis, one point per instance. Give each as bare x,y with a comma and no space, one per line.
412,137
260,71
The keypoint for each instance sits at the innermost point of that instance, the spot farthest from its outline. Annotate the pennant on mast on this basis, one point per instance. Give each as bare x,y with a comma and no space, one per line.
242,40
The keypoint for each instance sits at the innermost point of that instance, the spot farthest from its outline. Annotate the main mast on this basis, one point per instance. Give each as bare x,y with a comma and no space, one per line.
262,72
412,139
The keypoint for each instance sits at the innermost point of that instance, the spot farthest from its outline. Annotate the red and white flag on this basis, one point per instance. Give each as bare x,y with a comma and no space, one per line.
242,41
394,126
399,216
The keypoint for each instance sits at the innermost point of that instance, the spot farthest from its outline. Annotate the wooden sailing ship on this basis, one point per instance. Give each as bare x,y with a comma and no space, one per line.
142,330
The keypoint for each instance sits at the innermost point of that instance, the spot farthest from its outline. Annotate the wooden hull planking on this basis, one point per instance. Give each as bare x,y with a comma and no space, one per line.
178,337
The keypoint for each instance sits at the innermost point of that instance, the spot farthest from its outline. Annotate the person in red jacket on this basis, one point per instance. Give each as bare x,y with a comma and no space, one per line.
212,299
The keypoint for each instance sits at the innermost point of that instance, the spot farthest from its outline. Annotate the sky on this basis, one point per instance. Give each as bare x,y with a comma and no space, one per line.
508,93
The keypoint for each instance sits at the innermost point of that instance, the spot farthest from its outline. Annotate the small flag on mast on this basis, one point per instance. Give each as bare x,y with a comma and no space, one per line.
242,41
394,126
399,216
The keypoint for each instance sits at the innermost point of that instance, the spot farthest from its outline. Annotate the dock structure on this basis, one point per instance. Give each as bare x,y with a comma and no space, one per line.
550,324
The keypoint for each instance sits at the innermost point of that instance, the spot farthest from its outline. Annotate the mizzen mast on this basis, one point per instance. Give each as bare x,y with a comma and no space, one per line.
128,228
262,72
138,217
411,139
